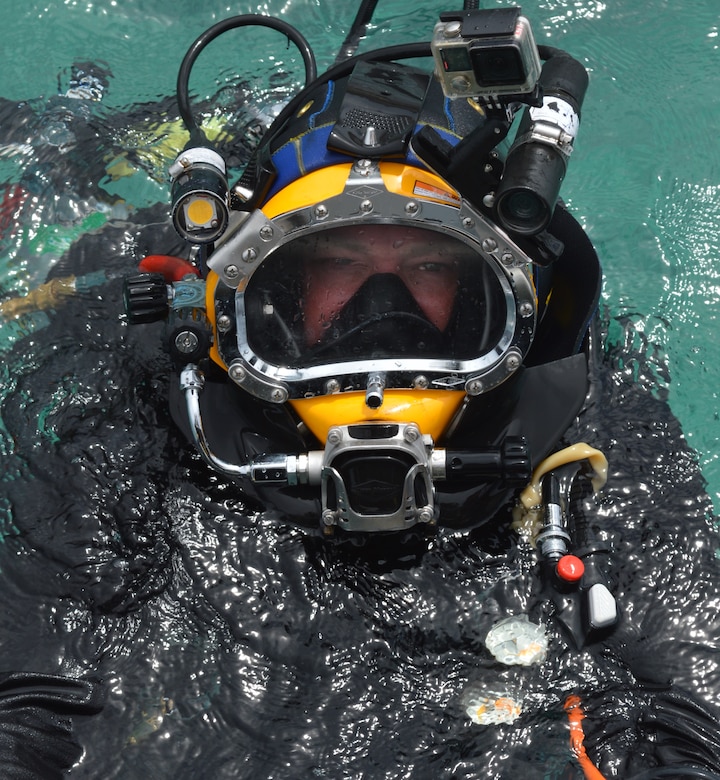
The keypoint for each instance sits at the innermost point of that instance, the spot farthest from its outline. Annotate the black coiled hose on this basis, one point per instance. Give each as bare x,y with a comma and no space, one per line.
359,26
245,20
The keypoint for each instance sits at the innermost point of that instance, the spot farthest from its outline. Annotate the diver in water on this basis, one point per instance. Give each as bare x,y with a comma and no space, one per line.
392,290
40,130
69,148
385,327
100,146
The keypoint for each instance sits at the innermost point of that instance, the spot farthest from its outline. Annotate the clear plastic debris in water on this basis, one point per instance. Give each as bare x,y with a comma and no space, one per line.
517,641
493,707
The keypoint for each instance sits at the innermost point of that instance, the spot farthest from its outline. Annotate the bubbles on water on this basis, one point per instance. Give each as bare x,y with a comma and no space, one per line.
565,13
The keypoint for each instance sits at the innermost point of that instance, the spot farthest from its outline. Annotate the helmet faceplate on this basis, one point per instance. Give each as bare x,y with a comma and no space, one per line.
267,256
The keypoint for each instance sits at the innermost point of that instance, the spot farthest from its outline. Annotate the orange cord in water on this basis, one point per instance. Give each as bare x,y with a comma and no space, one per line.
577,735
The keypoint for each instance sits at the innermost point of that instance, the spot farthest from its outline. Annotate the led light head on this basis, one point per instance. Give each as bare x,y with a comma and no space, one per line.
199,195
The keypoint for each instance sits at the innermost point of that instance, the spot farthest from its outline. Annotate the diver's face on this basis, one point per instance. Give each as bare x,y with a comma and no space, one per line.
340,263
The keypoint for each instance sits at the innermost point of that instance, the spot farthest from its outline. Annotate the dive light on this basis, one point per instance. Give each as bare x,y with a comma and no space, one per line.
537,161
199,195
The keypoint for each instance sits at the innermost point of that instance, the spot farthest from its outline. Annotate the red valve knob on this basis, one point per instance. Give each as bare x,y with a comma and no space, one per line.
570,568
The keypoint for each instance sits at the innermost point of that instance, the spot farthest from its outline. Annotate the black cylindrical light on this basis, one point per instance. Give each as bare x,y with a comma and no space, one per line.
537,161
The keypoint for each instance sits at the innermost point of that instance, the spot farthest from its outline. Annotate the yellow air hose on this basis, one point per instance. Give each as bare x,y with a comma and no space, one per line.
526,515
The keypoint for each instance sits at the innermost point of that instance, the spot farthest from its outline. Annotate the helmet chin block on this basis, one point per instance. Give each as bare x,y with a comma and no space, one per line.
376,477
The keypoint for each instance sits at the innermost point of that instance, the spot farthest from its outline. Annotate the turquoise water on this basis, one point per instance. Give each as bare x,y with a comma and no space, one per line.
644,180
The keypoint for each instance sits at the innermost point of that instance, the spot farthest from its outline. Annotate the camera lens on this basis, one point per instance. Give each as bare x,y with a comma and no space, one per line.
497,67
522,210
526,197
537,161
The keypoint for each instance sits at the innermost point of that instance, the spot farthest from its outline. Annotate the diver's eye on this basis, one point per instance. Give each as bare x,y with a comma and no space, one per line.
429,270
339,269
341,262
335,262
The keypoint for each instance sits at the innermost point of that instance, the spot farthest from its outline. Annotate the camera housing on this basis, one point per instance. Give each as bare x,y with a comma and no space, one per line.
485,52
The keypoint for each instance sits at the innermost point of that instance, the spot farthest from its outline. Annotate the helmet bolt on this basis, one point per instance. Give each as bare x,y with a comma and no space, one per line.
411,434
334,436
224,323
186,341
237,373
363,167
332,386
512,362
425,515
526,309
420,382
474,387
468,223
250,254
266,232
279,395
489,245
366,206
412,208
507,258
232,271
321,211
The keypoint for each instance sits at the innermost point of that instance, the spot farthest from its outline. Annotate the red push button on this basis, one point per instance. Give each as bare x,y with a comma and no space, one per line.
570,568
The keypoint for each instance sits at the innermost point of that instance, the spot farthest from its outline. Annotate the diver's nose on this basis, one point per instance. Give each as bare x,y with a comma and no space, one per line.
386,292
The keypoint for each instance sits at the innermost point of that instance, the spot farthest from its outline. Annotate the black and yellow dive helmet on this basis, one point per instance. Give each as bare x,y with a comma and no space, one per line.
384,322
